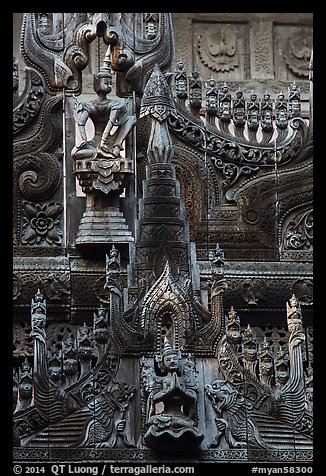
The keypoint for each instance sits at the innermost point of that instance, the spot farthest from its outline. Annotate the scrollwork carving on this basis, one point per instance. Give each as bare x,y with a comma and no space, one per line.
299,232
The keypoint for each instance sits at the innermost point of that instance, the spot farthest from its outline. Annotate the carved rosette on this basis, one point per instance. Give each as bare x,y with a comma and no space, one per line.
41,223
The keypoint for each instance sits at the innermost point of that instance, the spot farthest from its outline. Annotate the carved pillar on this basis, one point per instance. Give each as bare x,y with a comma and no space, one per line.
219,285
181,83
224,108
195,93
112,284
211,101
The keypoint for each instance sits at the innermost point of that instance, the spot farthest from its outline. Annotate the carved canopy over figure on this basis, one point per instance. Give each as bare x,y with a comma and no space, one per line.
105,114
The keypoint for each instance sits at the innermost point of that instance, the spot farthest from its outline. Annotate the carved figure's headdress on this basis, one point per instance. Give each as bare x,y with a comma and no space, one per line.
105,70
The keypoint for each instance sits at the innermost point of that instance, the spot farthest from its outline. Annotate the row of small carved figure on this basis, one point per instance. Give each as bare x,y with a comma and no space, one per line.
220,102
68,361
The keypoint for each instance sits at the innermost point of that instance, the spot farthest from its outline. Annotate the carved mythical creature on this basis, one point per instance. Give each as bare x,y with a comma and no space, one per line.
233,416
109,422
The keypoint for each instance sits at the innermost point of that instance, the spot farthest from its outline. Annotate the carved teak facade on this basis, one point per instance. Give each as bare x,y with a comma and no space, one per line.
163,231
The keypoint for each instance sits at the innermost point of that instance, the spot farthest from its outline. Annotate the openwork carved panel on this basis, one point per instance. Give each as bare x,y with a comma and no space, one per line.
136,338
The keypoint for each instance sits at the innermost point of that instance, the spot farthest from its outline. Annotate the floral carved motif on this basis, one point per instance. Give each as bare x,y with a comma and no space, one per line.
40,223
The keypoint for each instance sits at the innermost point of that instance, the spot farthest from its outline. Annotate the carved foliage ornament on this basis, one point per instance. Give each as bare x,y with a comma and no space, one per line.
299,232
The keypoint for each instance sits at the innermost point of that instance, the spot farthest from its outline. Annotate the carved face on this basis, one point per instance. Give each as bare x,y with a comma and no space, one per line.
101,335
103,84
171,361
233,334
282,374
267,364
55,373
70,366
250,350
219,392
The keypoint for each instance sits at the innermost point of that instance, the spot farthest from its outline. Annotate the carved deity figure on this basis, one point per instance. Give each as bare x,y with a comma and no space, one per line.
294,98
253,112
281,115
172,399
294,315
195,90
250,350
211,96
266,363
55,364
38,312
281,369
267,112
105,114
225,103
233,334
100,325
239,112
25,385
180,81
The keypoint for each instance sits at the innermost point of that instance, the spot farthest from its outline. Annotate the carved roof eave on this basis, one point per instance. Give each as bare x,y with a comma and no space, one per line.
231,149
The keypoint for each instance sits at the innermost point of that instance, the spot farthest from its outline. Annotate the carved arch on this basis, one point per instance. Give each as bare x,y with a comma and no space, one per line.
167,296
